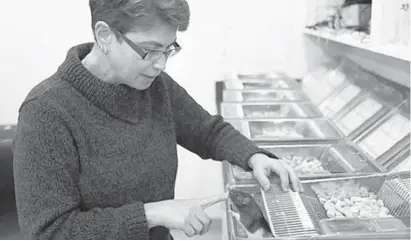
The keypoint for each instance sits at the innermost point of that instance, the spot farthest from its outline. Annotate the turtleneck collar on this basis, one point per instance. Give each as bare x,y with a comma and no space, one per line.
121,100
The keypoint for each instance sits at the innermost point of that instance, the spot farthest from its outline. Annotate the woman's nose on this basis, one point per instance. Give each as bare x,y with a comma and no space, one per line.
160,63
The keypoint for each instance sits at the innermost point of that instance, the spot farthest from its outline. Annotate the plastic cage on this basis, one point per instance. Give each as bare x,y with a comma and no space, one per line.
304,215
268,80
288,130
253,110
314,161
263,95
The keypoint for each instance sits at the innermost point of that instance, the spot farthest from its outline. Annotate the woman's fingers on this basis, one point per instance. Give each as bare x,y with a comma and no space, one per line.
208,202
281,171
189,230
195,222
262,178
204,219
295,181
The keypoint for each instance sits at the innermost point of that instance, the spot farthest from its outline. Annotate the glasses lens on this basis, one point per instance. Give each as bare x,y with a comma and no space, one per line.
172,52
157,55
154,55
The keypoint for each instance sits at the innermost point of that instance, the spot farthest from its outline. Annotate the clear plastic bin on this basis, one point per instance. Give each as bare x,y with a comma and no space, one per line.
375,100
313,161
239,81
403,161
357,83
340,99
387,137
325,80
236,230
269,110
302,130
380,201
303,215
263,95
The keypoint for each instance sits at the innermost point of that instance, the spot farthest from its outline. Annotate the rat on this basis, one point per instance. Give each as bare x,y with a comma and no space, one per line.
249,214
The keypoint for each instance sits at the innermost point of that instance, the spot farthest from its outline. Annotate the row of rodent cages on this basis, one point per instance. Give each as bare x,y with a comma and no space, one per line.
358,123
340,124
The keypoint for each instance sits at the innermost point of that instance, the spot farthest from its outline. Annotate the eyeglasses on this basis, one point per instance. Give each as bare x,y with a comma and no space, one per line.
171,51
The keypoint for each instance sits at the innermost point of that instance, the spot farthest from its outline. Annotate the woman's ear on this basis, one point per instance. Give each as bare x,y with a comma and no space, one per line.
103,35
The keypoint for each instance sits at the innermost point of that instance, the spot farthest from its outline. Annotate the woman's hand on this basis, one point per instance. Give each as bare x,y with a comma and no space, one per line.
186,215
263,165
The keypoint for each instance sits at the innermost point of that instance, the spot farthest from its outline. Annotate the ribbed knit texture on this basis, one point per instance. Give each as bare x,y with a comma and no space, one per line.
88,154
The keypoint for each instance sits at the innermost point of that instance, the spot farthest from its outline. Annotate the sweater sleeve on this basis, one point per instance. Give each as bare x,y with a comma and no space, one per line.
209,136
46,171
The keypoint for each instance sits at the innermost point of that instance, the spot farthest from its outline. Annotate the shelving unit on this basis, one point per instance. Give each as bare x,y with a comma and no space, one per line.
389,50
375,52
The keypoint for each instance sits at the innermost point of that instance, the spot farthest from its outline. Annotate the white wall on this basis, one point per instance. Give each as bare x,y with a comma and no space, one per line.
223,36
35,38
229,35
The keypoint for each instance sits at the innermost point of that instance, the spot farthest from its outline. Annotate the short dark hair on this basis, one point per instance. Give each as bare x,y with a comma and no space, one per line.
126,15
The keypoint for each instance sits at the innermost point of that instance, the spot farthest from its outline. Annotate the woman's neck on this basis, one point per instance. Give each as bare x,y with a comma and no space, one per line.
97,63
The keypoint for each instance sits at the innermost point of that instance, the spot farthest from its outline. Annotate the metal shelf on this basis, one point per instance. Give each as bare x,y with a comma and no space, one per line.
399,52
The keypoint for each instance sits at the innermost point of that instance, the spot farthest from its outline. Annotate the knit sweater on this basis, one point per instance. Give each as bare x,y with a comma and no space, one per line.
89,154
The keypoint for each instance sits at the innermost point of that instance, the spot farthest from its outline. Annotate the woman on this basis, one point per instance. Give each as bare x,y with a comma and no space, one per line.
95,152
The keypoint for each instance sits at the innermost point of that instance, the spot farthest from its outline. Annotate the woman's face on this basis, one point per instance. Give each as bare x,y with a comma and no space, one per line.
130,68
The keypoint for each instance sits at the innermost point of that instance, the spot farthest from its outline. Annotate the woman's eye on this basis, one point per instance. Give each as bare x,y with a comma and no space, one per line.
152,50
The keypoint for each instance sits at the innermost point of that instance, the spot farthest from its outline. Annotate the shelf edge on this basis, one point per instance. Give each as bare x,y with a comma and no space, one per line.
400,52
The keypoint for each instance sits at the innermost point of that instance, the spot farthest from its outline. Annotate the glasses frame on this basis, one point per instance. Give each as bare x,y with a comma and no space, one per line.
143,54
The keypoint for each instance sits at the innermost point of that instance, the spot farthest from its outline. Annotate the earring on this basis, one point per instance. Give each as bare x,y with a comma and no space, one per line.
103,49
